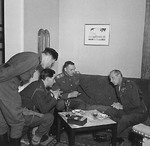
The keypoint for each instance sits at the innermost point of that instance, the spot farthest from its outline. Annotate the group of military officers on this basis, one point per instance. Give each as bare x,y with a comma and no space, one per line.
34,106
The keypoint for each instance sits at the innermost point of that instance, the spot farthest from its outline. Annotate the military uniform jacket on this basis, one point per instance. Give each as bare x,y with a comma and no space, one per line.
36,97
67,83
20,64
129,97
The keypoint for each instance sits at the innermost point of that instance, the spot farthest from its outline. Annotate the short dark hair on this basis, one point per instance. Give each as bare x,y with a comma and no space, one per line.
46,73
116,71
52,52
67,63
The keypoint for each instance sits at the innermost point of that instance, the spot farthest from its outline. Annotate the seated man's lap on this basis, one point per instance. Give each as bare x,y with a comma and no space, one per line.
133,118
33,121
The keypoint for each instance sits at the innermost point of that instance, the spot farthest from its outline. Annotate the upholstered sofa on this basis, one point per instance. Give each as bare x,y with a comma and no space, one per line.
96,89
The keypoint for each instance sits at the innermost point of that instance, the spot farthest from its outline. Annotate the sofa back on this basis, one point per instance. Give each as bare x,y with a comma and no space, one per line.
144,85
98,90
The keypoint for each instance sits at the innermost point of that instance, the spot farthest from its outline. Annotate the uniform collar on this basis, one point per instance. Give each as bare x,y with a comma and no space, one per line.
67,75
41,84
122,86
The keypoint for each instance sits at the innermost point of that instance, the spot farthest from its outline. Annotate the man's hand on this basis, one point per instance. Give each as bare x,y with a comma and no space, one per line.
117,105
73,94
57,93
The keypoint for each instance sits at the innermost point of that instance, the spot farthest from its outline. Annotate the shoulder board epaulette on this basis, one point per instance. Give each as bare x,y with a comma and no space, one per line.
60,76
128,81
77,72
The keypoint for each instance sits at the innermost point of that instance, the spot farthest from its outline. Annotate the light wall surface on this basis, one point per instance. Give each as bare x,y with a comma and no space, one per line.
41,14
13,17
126,19
65,19
24,18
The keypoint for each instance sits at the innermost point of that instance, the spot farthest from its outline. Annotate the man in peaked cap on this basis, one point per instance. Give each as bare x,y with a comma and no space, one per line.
15,72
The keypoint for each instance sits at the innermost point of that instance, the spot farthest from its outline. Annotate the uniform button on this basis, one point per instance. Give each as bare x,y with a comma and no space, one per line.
71,85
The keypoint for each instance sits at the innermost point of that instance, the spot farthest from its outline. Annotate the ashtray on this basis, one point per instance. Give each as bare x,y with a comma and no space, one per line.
77,120
78,111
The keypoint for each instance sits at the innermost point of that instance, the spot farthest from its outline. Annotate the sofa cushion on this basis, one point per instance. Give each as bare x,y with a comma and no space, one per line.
98,89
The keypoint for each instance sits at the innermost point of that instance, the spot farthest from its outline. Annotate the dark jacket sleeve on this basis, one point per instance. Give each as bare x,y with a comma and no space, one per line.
133,100
44,102
57,86
18,64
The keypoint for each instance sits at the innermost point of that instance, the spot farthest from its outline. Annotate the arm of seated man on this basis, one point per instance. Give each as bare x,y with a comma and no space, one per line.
28,112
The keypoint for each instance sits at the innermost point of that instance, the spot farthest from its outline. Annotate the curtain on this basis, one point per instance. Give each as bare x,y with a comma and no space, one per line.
145,70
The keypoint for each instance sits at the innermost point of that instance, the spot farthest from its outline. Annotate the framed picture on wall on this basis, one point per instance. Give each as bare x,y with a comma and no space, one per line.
96,34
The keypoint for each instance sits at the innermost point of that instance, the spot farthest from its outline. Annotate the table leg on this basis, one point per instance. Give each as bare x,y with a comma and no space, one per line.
114,135
58,129
71,138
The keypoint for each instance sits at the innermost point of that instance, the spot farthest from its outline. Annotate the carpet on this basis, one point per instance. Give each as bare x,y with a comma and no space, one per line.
83,139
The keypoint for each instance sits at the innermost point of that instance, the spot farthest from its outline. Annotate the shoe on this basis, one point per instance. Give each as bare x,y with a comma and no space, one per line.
15,141
119,140
46,140
4,139
36,140
126,142
102,137
25,141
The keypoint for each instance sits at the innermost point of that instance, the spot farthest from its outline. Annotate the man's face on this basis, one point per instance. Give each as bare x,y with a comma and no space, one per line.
70,70
47,61
115,79
50,81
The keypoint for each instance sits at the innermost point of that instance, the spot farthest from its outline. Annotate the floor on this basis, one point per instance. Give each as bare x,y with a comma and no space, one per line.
85,139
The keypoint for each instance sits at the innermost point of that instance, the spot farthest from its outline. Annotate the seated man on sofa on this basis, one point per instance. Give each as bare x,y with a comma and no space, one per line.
68,81
130,108
41,104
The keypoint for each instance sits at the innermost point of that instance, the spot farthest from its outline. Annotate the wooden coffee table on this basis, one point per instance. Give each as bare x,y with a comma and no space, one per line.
93,124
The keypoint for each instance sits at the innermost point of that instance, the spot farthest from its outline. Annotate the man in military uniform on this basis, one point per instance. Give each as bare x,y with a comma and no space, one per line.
37,98
14,73
130,108
68,82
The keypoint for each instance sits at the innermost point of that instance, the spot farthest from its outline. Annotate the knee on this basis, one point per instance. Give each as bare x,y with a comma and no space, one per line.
48,118
124,121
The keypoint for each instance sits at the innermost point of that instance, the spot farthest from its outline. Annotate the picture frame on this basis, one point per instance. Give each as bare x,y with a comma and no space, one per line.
97,34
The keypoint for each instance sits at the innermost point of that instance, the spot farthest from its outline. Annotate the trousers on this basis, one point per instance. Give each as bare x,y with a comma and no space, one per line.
11,116
44,123
126,120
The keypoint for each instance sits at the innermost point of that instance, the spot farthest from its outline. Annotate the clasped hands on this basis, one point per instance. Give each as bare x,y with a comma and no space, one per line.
57,93
73,94
117,105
